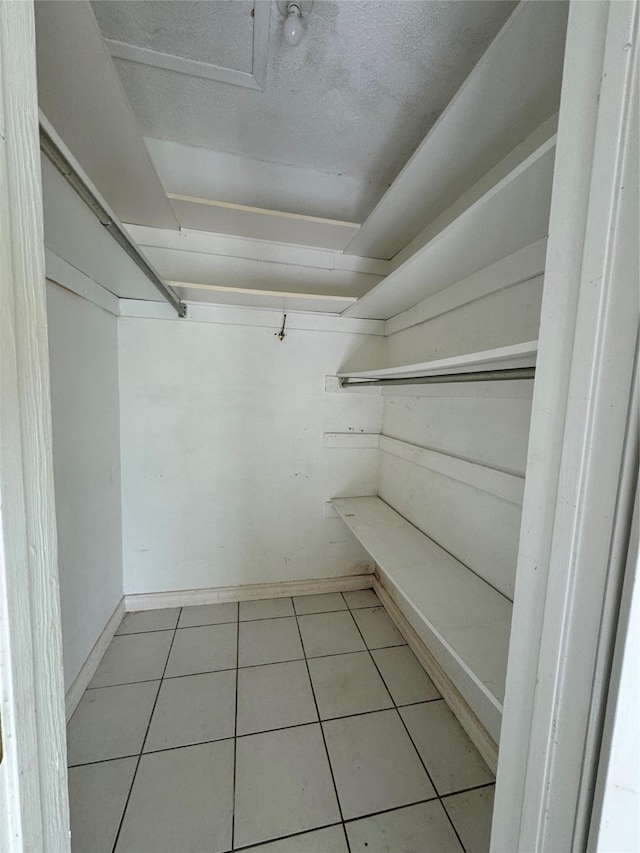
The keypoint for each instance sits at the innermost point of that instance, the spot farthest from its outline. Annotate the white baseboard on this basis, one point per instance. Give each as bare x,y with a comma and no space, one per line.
248,592
81,681
480,737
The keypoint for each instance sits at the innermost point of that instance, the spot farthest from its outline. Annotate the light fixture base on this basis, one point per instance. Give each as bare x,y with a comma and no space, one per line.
303,5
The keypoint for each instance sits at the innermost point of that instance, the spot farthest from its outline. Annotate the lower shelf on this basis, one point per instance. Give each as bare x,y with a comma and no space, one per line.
463,621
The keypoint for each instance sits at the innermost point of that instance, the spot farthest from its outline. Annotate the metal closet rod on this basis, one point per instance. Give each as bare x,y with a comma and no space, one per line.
477,376
58,159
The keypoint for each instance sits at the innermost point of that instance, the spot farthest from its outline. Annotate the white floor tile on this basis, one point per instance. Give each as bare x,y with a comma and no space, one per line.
110,722
97,797
134,657
322,603
205,649
377,628
269,641
283,785
193,709
182,796
406,679
182,800
149,620
347,684
471,813
452,760
416,829
328,840
208,614
361,598
374,764
330,634
274,696
267,608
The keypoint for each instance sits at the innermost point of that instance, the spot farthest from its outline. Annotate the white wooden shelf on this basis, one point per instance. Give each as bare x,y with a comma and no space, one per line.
513,89
509,215
463,621
502,358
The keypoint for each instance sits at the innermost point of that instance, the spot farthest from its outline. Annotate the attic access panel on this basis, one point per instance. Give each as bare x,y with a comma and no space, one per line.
227,42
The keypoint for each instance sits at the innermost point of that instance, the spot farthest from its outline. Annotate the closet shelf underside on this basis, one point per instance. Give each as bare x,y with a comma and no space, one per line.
513,357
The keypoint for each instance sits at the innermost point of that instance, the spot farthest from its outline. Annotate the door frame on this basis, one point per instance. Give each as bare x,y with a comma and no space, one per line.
34,813
615,823
583,449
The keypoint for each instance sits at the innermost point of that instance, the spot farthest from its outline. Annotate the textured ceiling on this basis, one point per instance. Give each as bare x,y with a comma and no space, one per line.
355,97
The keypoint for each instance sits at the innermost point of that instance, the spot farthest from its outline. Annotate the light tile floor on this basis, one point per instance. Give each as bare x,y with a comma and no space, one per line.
301,725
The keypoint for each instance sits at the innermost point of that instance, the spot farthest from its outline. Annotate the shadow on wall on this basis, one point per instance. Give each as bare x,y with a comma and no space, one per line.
368,353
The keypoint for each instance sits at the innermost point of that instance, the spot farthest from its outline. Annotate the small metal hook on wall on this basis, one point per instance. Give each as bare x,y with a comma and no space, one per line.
281,333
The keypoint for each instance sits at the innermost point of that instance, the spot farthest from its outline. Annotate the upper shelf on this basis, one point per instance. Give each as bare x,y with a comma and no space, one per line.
503,358
511,214
511,91
80,93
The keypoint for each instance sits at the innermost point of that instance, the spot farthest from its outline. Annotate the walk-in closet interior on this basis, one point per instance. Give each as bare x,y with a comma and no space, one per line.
295,256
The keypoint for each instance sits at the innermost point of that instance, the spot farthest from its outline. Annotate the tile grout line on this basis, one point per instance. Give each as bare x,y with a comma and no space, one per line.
324,740
148,631
346,836
285,837
342,823
457,835
235,732
410,805
179,627
251,666
433,785
468,790
268,731
144,740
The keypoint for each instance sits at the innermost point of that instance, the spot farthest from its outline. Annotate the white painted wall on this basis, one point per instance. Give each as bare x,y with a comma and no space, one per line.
224,471
486,423
86,455
83,349
483,422
509,316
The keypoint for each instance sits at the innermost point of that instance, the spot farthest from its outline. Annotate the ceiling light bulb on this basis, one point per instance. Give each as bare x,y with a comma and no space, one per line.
293,29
